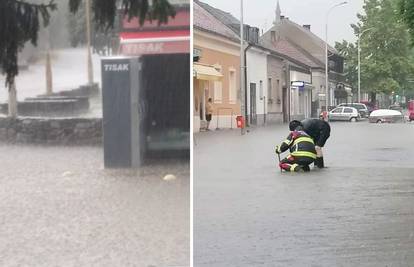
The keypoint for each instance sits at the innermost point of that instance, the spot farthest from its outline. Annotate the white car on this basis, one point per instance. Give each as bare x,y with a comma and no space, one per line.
386,115
362,108
344,114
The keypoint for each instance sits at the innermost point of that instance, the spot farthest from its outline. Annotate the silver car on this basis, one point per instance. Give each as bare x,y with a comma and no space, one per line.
362,108
344,114
386,115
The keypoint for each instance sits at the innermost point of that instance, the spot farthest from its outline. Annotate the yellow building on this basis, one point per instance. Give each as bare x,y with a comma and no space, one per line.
217,71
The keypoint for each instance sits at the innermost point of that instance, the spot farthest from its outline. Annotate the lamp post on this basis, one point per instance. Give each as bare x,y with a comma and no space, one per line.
326,54
359,62
242,96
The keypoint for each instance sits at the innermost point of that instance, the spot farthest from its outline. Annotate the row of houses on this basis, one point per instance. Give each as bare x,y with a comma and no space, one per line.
284,70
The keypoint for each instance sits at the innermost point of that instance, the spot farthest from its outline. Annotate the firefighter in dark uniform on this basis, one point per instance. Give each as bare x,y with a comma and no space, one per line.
319,130
302,151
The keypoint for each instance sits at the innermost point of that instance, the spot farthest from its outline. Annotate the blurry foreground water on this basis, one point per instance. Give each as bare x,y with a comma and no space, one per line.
58,206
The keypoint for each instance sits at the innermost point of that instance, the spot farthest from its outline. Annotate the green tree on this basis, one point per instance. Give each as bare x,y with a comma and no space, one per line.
102,40
406,11
20,23
385,49
350,54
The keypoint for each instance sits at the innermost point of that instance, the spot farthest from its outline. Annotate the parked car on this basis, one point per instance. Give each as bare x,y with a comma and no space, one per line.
386,115
344,114
411,110
396,107
371,106
362,108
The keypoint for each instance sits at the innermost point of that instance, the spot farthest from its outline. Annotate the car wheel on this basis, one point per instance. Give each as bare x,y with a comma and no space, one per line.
353,119
379,121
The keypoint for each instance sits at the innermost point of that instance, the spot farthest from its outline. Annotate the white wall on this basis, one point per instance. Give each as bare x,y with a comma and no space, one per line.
256,72
318,81
300,76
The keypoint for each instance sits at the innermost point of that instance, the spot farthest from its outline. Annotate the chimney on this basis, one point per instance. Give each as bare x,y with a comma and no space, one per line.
307,26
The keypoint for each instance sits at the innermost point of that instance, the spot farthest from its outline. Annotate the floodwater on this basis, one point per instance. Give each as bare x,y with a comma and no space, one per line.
60,207
357,212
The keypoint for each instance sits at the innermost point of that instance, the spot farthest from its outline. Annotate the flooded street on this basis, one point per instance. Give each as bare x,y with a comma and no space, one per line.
59,207
357,212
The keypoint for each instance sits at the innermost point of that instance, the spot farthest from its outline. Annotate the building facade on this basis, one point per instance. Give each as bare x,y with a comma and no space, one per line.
216,71
256,93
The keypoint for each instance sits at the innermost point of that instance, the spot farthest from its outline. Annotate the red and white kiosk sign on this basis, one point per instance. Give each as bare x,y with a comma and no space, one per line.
151,38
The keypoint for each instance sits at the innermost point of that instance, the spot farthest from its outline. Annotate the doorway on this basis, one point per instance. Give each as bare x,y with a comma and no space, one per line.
285,105
253,113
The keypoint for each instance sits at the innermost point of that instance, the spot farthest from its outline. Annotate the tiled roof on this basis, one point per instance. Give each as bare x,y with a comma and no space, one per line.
284,47
313,36
225,17
206,21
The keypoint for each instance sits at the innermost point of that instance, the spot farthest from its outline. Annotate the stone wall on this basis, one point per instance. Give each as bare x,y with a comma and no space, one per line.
54,131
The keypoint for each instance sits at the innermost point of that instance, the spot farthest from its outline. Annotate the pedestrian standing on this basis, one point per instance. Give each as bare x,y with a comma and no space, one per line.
209,112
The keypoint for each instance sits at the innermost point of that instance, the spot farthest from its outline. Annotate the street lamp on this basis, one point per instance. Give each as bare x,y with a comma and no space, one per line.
359,63
326,53
242,96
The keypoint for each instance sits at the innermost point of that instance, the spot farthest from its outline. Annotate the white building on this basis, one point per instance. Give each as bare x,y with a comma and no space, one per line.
256,86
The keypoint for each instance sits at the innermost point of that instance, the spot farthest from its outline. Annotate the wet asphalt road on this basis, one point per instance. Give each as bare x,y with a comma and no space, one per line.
59,207
357,212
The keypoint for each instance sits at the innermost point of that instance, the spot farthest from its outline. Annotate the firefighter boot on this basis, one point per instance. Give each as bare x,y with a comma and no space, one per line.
306,168
319,162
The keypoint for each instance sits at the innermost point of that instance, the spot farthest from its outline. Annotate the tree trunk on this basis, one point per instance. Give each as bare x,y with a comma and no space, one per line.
373,97
88,42
12,100
49,79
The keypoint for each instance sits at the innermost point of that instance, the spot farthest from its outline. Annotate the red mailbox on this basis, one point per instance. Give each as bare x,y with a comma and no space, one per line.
240,121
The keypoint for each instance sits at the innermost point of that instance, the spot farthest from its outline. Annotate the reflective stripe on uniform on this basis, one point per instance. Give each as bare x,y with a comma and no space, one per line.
287,142
303,139
304,154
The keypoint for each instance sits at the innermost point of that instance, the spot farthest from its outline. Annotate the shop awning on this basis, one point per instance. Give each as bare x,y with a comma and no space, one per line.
155,42
205,72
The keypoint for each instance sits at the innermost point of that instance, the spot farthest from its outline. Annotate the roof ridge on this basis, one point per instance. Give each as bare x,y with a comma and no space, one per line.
307,54
308,32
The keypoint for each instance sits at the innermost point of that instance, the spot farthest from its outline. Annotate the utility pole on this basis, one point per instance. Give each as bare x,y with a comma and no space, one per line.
326,55
242,68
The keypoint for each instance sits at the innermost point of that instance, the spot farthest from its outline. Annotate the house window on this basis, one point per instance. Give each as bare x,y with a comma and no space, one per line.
232,87
277,88
273,36
269,88
261,89
218,92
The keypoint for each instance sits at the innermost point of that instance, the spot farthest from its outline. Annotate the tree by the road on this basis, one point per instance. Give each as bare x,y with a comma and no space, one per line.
350,54
406,10
20,22
102,40
385,55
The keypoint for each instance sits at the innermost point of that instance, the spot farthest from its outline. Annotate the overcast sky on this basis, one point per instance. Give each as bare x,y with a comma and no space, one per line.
261,13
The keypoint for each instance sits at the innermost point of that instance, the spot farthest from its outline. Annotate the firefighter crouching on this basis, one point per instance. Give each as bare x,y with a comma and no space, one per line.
302,151
319,131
